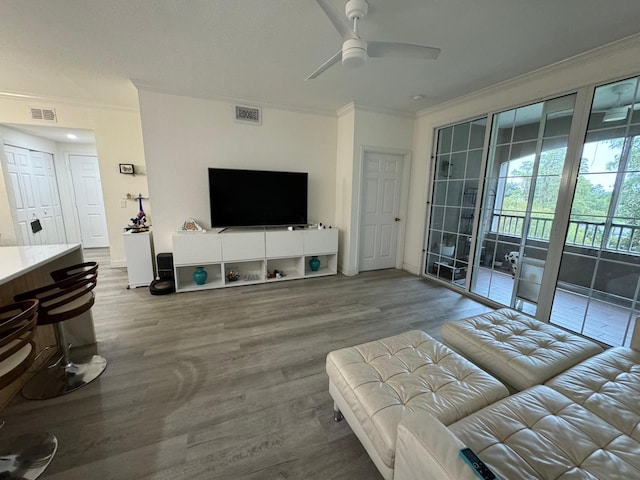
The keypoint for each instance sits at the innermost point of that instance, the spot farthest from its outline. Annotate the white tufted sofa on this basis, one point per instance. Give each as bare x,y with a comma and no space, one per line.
375,384
414,403
582,424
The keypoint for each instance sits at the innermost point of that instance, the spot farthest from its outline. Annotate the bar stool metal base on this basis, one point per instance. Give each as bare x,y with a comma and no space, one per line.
25,457
54,382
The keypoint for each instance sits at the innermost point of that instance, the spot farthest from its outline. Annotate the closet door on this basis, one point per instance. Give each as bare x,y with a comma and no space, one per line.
33,195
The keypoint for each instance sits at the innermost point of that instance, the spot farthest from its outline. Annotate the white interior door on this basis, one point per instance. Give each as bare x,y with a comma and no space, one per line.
381,187
46,191
33,194
87,188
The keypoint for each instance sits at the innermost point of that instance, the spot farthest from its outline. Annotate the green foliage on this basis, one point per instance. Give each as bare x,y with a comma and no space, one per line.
628,208
590,205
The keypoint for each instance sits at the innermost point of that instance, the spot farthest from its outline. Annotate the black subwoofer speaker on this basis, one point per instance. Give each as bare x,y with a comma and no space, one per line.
165,283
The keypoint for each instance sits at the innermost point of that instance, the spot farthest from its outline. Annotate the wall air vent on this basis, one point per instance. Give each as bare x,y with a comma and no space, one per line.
251,115
46,114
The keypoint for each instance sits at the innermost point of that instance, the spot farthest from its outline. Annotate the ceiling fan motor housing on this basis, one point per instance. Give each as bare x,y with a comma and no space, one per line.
356,9
354,52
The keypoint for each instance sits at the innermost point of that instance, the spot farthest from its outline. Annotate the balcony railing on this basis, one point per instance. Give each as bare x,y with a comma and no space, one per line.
621,238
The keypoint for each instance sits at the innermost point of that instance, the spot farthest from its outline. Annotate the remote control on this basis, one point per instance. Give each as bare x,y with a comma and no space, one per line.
478,466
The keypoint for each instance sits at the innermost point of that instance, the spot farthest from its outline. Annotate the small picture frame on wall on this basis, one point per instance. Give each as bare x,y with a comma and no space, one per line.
126,168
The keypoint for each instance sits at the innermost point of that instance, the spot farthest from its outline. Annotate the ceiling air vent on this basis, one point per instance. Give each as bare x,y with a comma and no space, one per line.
251,115
47,114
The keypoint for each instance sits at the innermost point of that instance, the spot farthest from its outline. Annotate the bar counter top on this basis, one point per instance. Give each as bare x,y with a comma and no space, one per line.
16,261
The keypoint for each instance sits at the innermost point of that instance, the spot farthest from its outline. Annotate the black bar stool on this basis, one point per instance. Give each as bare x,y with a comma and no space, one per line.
60,301
25,456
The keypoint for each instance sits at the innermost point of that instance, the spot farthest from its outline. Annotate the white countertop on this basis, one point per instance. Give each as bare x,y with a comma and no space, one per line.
16,261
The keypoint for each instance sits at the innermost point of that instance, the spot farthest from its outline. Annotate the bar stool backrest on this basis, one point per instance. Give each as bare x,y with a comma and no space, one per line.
18,323
64,299
66,272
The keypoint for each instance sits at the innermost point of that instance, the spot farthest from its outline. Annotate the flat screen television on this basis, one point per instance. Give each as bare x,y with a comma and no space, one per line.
247,198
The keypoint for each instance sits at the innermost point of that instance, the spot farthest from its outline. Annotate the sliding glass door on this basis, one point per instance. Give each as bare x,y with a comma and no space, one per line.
597,290
527,153
538,211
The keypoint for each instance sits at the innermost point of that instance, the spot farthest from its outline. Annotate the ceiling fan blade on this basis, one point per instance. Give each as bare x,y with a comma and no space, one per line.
401,50
339,21
332,61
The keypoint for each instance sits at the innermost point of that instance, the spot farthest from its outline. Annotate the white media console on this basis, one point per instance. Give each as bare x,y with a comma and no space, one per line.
252,254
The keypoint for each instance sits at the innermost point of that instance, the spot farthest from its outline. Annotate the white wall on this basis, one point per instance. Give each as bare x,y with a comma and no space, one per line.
371,130
118,140
602,65
344,182
185,136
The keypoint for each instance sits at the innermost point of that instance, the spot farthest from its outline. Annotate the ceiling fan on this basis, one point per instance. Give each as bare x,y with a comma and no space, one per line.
619,111
355,51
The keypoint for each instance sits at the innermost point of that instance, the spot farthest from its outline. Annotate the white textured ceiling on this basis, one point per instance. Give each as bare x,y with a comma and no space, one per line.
261,51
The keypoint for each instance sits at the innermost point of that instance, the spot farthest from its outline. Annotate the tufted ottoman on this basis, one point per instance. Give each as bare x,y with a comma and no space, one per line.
374,384
517,349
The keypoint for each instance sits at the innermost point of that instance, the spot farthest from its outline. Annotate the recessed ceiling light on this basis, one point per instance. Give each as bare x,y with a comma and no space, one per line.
71,136
417,97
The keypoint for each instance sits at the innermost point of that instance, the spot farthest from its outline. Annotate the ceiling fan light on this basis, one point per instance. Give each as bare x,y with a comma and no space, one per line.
616,114
354,53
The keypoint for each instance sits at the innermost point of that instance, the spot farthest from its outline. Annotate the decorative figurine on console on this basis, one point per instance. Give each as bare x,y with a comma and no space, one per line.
139,222
190,225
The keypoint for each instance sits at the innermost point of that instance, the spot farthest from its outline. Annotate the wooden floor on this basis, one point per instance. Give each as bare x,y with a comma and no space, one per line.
227,384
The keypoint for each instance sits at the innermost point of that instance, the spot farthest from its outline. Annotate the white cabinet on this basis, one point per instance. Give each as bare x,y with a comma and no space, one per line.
284,243
320,241
139,255
242,257
322,244
242,246
192,248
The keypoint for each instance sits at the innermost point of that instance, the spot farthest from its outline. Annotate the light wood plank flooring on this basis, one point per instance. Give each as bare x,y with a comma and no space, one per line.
227,384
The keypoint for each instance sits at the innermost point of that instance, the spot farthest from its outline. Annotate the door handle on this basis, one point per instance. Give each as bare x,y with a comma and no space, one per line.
397,219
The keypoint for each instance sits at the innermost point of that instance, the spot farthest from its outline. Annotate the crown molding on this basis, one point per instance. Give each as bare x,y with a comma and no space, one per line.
348,108
65,101
386,111
146,86
149,87
353,106
577,60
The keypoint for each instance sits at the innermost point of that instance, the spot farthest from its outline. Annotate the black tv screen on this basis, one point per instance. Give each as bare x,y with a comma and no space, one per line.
244,198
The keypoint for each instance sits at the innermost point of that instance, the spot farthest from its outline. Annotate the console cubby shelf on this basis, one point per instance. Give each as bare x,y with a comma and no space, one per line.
185,282
328,265
253,254
292,268
249,273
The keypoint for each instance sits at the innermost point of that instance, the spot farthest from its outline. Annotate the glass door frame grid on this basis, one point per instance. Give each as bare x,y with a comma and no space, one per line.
584,97
431,184
571,177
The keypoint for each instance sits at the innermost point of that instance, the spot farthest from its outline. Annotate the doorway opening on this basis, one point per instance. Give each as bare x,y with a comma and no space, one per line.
47,182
